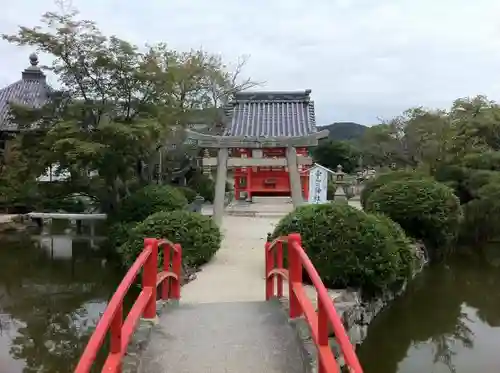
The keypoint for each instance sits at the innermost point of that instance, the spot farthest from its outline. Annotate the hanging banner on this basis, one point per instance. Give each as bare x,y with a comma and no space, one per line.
318,184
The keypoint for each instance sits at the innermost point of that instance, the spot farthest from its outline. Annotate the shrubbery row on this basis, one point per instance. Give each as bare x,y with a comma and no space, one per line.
159,211
373,249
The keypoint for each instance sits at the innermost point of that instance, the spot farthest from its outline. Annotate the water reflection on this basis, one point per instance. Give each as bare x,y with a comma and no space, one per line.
52,291
448,321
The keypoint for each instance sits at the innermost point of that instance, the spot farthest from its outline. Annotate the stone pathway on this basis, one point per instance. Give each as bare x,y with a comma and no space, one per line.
236,274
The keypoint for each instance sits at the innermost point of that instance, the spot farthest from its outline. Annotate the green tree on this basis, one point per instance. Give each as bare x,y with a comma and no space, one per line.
118,105
381,145
332,153
427,135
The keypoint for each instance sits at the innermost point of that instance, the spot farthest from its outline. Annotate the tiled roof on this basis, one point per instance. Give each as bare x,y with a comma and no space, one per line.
271,114
32,90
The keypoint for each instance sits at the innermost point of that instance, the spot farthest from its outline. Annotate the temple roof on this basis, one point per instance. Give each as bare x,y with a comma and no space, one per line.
32,90
271,114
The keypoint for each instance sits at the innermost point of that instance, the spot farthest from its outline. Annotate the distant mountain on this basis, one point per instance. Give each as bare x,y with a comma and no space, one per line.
344,130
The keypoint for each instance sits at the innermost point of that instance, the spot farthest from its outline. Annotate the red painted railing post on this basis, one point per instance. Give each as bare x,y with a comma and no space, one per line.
279,264
269,268
176,268
165,287
149,277
322,332
116,330
294,273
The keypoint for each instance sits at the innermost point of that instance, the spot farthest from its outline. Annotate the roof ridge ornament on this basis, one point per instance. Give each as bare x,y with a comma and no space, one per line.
34,59
33,72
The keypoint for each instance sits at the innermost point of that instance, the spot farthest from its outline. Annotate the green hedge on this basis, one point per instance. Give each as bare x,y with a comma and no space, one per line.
198,235
203,185
119,233
407,257
427,210
385,178
480,225
189,193
349,247
148,200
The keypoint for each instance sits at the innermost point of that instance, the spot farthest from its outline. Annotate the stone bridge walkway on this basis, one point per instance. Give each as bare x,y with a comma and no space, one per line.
223,323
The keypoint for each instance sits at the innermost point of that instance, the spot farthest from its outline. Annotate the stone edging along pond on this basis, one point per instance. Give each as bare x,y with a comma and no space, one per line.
356,315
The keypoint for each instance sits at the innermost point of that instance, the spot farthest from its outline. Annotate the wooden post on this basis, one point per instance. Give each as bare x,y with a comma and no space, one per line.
177,269
149,277
220,185
269,267
294,274
294,175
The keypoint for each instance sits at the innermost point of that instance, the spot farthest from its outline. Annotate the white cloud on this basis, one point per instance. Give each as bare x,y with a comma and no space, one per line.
361,58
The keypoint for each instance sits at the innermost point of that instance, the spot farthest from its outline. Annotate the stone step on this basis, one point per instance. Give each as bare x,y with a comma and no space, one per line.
272,200
208,211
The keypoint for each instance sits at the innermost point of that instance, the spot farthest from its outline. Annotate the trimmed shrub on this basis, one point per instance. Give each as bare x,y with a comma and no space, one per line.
349,247
385,178
119,233
203,185
148,200
189,193
481,216
407,256
425,209
198,235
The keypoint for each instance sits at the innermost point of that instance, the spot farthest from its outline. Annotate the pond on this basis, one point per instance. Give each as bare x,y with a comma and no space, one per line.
53,289
447,321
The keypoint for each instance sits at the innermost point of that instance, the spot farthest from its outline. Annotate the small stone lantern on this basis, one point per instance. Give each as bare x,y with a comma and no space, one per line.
339,192
340,174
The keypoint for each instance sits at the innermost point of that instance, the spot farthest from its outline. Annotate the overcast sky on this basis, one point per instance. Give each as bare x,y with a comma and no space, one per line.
362,59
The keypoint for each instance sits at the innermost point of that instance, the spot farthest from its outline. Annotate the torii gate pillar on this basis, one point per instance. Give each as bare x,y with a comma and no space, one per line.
294,175
220,185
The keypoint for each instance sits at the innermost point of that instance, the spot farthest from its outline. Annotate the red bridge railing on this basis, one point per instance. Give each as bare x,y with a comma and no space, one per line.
145,305
300,304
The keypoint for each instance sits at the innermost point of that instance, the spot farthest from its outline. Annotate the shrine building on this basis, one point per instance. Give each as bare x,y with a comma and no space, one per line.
266,142
31,90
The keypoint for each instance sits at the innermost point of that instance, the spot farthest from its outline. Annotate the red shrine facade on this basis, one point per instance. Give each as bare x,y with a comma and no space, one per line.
267,181
261,126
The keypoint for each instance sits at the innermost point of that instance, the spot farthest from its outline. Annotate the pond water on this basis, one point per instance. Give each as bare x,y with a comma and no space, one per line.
52,291
447,321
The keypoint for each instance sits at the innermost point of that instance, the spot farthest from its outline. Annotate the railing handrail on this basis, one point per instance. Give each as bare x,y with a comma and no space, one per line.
145,304
300,304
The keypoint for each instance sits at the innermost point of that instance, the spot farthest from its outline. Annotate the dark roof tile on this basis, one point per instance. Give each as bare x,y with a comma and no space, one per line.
32,90
271,114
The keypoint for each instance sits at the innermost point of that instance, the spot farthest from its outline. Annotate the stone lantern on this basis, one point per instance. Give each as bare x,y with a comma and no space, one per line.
339,192
340,174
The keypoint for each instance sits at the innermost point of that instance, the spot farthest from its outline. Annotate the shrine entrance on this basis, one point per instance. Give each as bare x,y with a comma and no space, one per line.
266,143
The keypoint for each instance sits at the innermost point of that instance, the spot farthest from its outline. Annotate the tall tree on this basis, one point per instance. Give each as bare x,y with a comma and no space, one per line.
331,153
117,105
